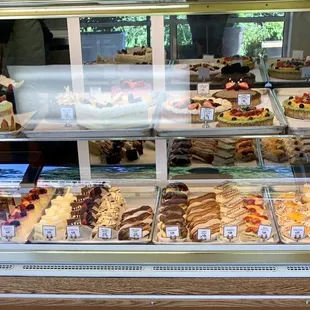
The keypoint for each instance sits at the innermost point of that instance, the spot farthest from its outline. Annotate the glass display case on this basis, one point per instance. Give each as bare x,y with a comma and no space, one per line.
155,153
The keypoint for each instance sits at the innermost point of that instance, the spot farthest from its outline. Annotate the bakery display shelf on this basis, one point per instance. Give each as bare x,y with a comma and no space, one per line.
172,128
296,127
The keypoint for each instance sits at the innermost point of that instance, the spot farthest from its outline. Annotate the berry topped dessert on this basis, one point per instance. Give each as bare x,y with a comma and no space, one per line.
233,89
246,61
288,69
248,116
235,72
298,106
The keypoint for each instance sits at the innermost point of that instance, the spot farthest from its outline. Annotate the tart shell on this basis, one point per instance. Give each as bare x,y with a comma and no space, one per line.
295,113
255,99
285,75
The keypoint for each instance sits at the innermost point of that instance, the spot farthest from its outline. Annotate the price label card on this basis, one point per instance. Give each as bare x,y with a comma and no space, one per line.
305,72
207,114
203,88
73,232
208,58
230,232
264,231
105,233
67,113
244,100
204,234
135,233
298,54
307,58
8,231
49,232
172,232
204,73
297,232
237,61
95,92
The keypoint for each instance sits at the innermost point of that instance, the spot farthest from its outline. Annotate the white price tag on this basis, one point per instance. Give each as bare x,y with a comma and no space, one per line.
203,88
73,232
95,92
244,99
172,232
208,58
8,231
298,54
67,114
204,234
49,232
237,61
135,233
264,231
207,114
203,73
297,232
230,232
305,72
105,233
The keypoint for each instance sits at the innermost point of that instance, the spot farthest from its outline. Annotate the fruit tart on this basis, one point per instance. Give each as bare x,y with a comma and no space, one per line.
288,69
248,116
233,89
297,106
246,61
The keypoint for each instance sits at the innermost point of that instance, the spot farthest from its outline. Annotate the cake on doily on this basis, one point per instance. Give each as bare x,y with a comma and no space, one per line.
113,112
135,55
7,119
297,106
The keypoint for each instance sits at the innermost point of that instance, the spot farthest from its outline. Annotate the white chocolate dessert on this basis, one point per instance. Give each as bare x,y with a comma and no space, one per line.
7,118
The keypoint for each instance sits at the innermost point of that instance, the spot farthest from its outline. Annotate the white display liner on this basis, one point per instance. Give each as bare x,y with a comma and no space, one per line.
135,197
203,189
23,232
295,126
168,128
273,192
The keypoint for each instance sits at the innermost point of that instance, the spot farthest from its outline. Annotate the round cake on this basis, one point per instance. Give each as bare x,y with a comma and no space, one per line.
135,55
233,89
248,116
194,70
297,106
235,72
287,69
7,120
246,61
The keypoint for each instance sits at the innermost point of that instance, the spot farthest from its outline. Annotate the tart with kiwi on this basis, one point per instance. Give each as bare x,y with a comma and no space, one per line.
297,106
289,69
233,89
247,116
246,61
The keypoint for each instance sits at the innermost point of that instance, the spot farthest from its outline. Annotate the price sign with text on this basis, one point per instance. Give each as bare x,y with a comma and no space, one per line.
172,232
207,114
208,58
203,74
204,234
49,232
230,232
135,233
67,113
298,54
73,232
244,100
8,231
264,231
297,232
105,233
203,88
305,72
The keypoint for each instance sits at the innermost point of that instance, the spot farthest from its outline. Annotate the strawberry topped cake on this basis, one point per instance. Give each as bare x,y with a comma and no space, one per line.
233,89
297,106
288,69
247,116
246,61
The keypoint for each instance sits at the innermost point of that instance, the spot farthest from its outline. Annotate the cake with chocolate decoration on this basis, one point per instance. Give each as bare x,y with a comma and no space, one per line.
235,72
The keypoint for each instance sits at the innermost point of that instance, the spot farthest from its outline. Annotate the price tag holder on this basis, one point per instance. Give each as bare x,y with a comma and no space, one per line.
135,233
305,72
230,232
172,232
297,232
67,114
73,232
207,115
203,88
298,54
204,234
49,232
237,61
8,231
208,58
105,233
264,231
203,74
244,100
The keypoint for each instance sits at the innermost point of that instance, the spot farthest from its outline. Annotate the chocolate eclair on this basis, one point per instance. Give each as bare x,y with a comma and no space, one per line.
124,232
203,206
135,210
213,224
175,201
141,217
172,209
202,198
170,195
177,186
202,219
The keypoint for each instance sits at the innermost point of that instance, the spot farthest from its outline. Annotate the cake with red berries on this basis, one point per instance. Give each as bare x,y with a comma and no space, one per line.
7,119
244,60
233,89
289,69
297,106
248,116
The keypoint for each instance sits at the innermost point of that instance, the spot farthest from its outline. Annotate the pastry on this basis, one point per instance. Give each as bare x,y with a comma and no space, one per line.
246,61
297,106
135,55
235,72
223,158
194,70
274,150
248,116
235,88
7,118
288,69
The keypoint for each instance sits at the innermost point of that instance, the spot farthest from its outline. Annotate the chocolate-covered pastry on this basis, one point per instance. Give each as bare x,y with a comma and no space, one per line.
132,154
141,217
177,186
235,71
202,198
172,209
180,161
175,201
133,211
170,195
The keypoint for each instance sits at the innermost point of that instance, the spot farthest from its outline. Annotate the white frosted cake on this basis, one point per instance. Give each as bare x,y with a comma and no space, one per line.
7,120
115,112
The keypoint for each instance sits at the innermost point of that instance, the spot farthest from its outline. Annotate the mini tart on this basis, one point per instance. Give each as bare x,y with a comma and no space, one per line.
297,106
239,117
287,69
246,61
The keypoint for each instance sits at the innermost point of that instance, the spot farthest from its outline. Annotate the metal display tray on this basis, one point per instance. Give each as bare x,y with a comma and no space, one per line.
209,187
295,126
168,128
135,196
